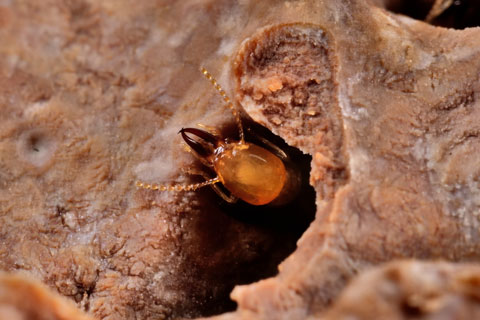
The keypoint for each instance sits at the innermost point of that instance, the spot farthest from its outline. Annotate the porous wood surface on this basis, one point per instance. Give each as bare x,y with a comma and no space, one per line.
411,290
93,93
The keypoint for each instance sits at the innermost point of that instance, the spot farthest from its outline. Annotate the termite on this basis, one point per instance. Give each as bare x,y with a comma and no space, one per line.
248,171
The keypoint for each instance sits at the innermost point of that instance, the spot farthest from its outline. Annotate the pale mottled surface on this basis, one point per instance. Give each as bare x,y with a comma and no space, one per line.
411,290
92,97
92,94
22,298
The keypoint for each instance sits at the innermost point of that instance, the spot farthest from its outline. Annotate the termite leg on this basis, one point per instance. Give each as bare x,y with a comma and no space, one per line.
272,147
227,197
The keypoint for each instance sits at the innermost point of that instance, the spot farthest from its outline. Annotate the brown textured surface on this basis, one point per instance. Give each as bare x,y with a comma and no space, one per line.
409,137
92,94
411,290
22,298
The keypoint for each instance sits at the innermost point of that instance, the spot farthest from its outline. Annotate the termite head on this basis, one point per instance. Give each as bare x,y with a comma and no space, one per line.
205,143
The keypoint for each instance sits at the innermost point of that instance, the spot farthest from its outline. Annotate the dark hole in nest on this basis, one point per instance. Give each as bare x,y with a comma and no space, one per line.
410,311
459,14
34,142
417,9
283,225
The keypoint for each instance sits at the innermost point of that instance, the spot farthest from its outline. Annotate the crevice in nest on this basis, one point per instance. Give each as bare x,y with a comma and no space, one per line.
456,14
283,224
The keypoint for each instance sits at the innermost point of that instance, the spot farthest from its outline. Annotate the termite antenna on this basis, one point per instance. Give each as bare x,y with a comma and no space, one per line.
178,187
227,100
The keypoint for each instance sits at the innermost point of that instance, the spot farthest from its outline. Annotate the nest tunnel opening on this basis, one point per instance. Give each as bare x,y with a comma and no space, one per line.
456,14
417,9
277,228
285,77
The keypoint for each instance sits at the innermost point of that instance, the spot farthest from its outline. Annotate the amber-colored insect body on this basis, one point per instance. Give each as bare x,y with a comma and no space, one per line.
249,172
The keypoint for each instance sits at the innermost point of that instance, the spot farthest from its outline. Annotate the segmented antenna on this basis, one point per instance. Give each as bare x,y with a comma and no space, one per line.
227,100
189,187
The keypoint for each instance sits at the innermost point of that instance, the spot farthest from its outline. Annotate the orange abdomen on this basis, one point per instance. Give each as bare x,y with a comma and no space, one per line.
251,173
